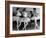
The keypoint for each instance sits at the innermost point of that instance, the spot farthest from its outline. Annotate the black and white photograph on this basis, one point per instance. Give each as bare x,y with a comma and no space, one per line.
26,18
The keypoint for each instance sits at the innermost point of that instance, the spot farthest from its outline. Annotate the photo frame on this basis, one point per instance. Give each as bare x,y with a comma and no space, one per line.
24,18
